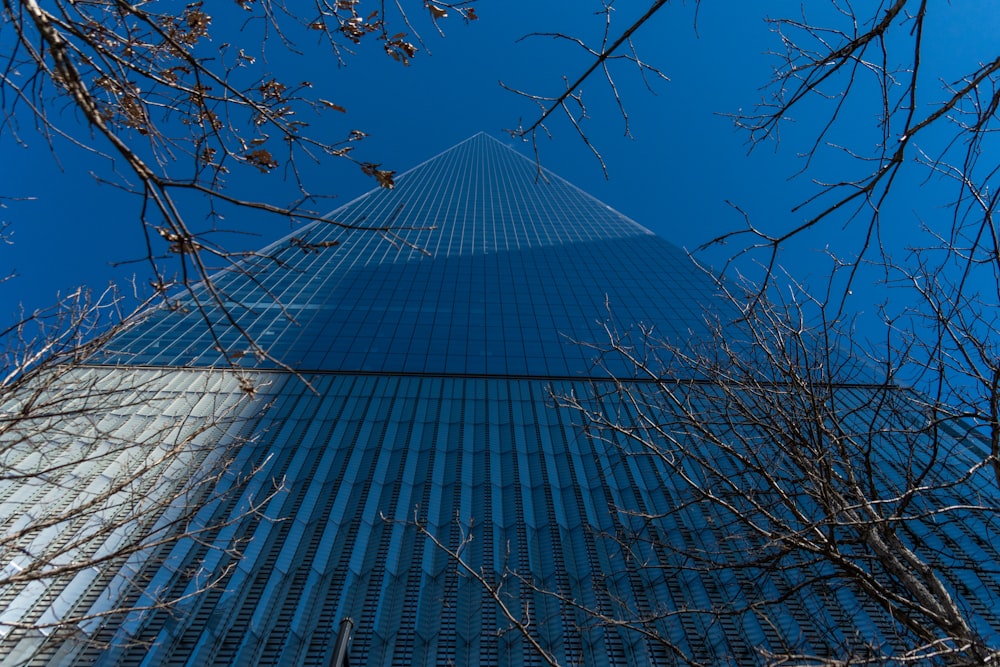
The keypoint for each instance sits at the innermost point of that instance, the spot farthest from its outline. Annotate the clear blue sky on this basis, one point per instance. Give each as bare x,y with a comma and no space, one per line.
685,161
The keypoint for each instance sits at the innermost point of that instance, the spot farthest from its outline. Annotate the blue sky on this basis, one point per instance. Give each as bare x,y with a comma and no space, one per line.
675,176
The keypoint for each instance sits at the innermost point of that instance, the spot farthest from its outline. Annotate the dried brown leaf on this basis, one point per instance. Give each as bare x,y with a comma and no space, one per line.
335,107
385,177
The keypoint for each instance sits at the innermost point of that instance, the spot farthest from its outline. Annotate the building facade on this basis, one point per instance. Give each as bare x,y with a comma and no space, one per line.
403,461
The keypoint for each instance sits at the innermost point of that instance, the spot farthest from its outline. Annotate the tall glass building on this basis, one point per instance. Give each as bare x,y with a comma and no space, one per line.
408,409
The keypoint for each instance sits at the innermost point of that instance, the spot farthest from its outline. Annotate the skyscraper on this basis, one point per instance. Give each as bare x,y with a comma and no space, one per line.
411,398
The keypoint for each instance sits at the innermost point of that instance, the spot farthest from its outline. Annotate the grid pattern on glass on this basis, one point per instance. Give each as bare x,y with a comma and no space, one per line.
362,454
518,269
